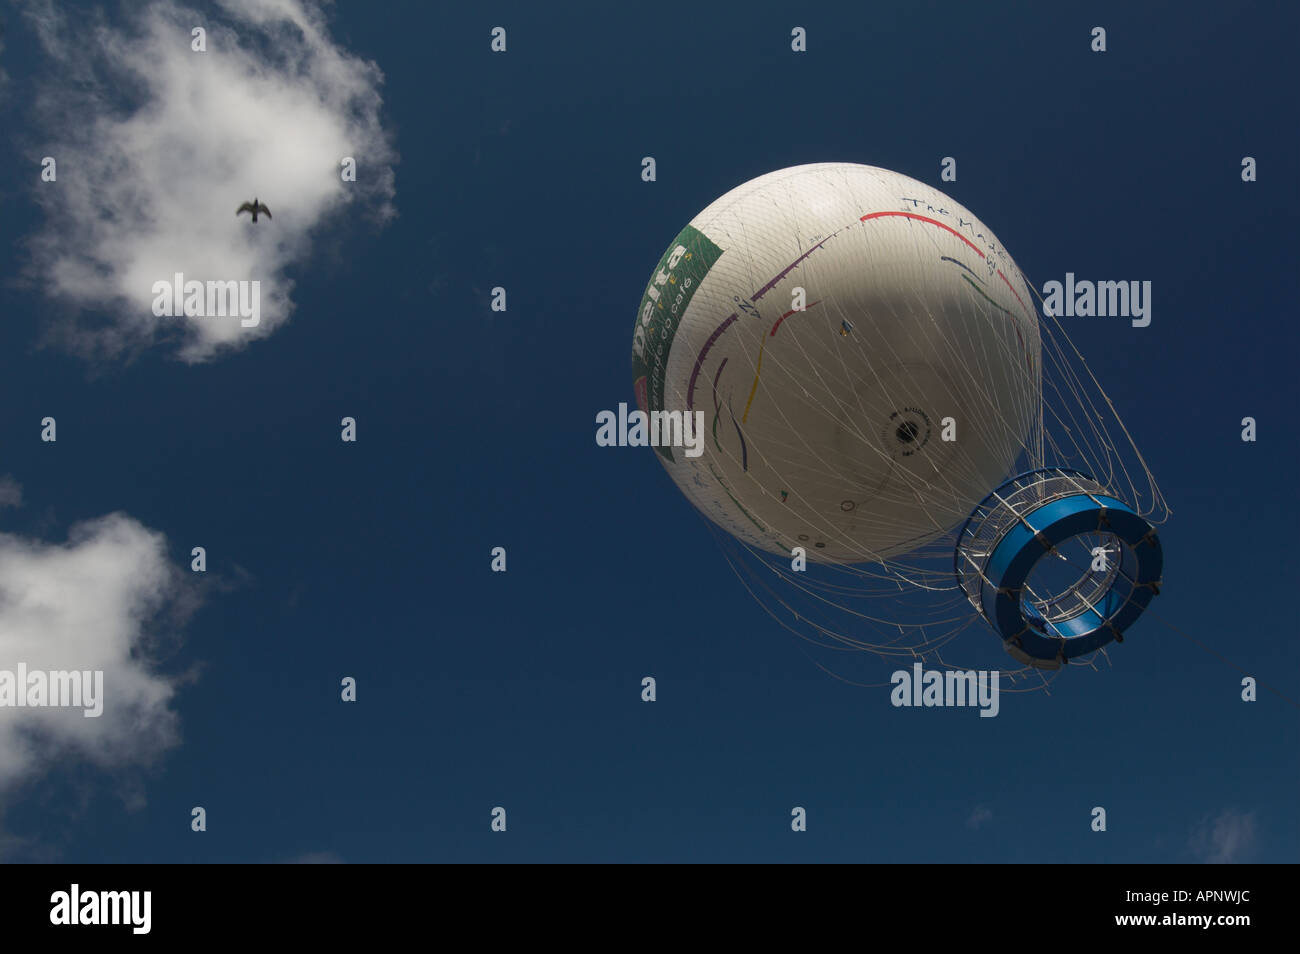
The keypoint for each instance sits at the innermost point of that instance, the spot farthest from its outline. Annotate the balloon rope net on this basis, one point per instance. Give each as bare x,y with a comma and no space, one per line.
910,607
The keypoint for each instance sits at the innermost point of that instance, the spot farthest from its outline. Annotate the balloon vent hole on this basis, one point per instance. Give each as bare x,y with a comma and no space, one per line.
907,432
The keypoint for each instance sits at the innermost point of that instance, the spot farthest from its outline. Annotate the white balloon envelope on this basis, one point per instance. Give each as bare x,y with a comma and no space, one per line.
863,349
867,367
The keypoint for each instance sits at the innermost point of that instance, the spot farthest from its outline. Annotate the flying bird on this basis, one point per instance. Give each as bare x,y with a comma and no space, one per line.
254,207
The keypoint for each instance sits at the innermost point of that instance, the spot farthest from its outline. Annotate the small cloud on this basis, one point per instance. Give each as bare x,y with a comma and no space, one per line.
979,817
157,145
11,492
1227,838
95,603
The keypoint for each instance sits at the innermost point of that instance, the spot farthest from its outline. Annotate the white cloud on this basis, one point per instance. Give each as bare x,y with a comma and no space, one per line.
157,146
1227,838
11,492
90,604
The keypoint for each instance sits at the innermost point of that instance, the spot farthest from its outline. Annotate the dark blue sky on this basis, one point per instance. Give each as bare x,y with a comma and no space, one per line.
477,430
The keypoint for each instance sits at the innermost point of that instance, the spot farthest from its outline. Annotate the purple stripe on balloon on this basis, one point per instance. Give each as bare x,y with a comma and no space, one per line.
791,267
695,373
716,408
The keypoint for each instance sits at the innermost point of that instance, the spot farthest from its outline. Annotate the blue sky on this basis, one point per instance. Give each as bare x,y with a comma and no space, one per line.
522,689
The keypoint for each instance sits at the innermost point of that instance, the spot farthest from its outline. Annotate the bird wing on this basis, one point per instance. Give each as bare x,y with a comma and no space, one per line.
265,211
246,207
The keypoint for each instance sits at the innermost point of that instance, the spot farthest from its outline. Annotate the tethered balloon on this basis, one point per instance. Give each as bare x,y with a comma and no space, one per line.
879,394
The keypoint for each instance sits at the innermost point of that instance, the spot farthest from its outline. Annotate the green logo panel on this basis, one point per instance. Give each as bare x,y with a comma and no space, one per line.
671,288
